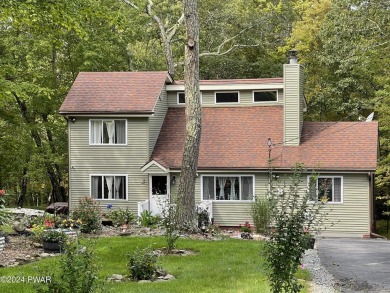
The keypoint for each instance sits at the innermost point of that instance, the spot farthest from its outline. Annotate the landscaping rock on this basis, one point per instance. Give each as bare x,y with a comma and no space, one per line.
169,277
144,281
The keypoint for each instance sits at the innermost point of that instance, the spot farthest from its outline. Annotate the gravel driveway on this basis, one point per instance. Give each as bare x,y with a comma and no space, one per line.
357,265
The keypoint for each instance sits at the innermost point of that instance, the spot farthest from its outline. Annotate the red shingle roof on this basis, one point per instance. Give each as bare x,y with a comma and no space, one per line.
114,92
236,138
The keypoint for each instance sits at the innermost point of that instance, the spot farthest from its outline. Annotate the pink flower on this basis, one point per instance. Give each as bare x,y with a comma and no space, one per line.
2,192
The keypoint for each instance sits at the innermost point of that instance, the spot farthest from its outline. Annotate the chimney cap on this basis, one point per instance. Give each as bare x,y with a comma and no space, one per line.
293,56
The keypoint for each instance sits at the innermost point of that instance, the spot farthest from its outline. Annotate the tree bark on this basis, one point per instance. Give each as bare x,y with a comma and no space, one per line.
23,188
186,192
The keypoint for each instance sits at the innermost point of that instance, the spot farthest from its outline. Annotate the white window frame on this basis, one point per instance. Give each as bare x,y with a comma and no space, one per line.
108,199
228,175
106,144
177,98
264,102
325,176
226,92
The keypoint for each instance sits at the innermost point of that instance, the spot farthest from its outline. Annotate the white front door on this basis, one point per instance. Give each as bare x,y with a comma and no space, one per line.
159,192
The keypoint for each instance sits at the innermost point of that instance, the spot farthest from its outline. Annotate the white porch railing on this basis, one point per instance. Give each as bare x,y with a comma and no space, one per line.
143,206
208,206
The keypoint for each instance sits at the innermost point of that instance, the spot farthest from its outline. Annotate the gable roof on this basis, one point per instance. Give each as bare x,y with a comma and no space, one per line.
114,92
235,138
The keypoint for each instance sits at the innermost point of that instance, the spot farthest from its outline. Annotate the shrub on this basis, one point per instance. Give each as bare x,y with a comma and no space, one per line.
53,235
246,228
142,264
261,215
170,223
294,220
77,271
121,217
89,213
37,232
146,219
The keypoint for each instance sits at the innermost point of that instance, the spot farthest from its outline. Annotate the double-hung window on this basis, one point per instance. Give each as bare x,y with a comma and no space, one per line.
109,186
107,131
327,189
228,187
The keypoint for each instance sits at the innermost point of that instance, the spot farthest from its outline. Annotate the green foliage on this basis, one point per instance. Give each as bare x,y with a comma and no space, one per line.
89,213
54,235
120,217
261,215
295,222
246,228
146,219
37,232
142,264
4,217
170,222
78,271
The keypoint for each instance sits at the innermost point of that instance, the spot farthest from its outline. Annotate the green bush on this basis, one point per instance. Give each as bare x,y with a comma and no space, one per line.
89,213
77,272
146,219
261,215
143,265
170,223
121,217
295,222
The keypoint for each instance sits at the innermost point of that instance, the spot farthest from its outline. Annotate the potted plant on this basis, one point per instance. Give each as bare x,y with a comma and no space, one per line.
53,239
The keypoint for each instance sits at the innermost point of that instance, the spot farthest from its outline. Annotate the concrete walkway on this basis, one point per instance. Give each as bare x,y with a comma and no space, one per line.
358,265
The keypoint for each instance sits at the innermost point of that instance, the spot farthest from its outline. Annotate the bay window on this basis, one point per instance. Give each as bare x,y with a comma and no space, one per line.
109,186
228,187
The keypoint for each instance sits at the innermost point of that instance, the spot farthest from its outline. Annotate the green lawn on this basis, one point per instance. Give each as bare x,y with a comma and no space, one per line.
381,227
219,266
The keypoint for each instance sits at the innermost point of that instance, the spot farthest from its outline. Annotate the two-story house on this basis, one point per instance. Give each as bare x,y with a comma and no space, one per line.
126,137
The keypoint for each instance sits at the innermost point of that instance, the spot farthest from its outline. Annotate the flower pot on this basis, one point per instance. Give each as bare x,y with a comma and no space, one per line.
52,246
2,243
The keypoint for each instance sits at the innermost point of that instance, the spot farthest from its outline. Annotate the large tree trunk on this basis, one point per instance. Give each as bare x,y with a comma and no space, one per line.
186,193
23,188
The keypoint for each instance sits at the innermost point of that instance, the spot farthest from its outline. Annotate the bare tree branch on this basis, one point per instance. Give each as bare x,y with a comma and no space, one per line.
130,4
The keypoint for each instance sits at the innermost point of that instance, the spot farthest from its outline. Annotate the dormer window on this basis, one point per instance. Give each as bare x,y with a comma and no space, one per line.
226,97
265,96
107,131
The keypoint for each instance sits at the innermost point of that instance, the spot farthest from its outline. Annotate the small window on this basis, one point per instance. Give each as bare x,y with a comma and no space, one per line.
327,189
265,96
109,186
226,97
107,131
181,98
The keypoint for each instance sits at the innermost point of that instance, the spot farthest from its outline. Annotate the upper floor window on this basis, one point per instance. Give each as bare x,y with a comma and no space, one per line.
107,131
265,96
228,187
181,98
109,186
327,189
226,97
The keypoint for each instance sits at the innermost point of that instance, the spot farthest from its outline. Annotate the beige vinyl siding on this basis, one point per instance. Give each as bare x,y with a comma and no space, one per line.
208,99
293,114
109,160
351,218
156,121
